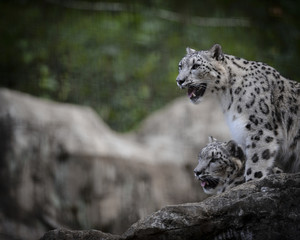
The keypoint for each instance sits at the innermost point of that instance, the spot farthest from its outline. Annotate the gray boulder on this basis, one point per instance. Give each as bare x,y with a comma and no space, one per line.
61,166
177,132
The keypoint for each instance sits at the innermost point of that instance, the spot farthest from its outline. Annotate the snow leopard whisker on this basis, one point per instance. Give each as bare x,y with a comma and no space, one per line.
198,85
195,83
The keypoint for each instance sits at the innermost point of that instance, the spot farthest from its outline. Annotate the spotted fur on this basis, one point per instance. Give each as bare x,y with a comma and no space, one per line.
221,166
261,106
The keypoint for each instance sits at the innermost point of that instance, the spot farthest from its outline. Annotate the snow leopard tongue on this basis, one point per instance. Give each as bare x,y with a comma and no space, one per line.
203,183
192,92
196,92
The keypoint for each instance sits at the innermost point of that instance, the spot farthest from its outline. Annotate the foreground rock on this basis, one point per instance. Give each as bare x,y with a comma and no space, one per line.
64,234
266,209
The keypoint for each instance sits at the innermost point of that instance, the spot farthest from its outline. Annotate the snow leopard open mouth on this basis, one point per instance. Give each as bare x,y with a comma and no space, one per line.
194,93
208,182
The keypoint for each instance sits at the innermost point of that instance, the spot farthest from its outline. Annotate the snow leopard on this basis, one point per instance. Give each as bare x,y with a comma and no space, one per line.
261,107
221,166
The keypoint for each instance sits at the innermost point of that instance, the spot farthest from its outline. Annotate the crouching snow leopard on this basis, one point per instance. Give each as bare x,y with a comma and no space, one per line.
261,107
221,166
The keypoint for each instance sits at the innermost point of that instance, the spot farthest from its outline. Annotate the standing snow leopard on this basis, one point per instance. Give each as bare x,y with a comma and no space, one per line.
261,107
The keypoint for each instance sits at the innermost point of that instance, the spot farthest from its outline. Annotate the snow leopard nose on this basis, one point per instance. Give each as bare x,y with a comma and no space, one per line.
180,81
197,172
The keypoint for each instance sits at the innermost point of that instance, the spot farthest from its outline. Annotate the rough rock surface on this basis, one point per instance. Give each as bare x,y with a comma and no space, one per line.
65,234
61,166
264,209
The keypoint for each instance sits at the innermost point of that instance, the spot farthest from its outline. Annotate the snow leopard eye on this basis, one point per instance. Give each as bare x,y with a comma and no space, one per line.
215,160
195,66
179,67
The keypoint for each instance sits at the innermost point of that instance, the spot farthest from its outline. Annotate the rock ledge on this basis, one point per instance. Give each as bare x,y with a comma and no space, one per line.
265,209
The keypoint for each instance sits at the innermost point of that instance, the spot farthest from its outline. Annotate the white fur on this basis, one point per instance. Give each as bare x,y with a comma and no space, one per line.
237,128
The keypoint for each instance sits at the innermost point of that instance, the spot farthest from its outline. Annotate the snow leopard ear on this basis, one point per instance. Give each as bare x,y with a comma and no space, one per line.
235,150
216,52
211,139
190,50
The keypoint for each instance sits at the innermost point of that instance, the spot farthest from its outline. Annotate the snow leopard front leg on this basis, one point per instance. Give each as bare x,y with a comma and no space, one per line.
261,151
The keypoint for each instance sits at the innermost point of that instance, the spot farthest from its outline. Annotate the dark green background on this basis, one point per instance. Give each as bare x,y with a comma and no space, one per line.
123,61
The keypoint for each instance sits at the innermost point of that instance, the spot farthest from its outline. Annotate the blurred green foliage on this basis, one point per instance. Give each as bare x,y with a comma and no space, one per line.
123,63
